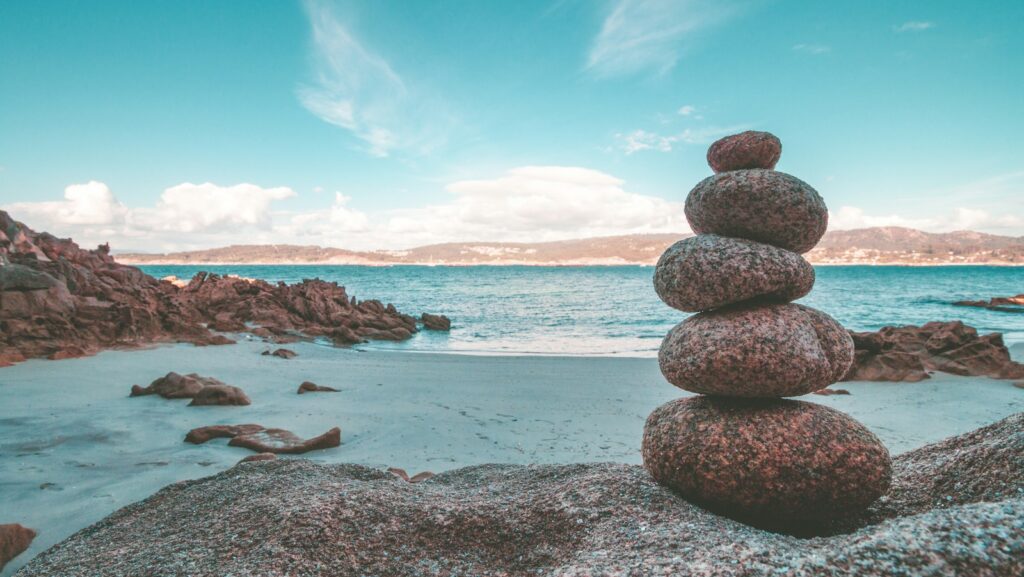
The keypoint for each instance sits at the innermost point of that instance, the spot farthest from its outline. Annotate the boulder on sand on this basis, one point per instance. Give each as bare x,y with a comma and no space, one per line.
14,539
770,462
296,517
778,350
709,271
761,205
263,440
175,386
220,395
309,387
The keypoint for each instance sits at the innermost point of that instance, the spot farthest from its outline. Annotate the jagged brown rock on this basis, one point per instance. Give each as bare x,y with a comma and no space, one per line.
708,271
909,352
1004,304
263,440
60,301
436,322
175,386
281,353
567,520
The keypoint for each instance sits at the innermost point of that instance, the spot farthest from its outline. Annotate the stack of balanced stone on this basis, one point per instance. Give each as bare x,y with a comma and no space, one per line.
739,448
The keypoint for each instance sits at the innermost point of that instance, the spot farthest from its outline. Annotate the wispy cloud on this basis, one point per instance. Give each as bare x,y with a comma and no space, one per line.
913,26
815,49
639,140
358,90
687,110
648,35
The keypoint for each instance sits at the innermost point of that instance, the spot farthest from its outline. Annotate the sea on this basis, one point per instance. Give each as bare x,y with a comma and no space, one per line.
614,311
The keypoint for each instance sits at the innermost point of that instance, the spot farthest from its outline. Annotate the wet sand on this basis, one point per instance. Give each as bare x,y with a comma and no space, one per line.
74,447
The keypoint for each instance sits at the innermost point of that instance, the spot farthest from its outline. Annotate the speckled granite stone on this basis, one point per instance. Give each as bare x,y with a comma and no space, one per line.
750,149
772,462
763,205
709,271
750,350
299,518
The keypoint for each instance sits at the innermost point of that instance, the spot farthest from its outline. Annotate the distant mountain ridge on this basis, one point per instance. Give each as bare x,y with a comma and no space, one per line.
879,245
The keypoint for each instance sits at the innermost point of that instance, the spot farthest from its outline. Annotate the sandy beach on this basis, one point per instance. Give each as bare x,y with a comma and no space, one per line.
74,447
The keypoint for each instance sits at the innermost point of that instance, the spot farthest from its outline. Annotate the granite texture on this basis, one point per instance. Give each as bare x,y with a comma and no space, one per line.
298,518
750,149
770,462
763,205
753,350
708,271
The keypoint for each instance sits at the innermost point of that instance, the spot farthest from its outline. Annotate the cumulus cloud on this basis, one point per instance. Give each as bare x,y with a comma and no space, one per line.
91,203
648,35
191,207
639,140
913,26
356,89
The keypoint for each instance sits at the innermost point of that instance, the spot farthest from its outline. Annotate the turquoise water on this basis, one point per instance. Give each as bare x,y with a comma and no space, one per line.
614,310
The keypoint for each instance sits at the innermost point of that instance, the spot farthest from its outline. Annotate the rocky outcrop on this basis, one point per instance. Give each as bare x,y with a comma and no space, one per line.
1003,304
59,301
436,322
263,440
909,353
14,539
310,387
955,509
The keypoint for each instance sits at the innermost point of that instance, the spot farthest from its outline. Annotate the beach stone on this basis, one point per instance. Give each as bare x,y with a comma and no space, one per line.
263,440
708,271
201,435
14,539
310,387
175,386
220,395
775,350
281,353
763,205
750,149
769,462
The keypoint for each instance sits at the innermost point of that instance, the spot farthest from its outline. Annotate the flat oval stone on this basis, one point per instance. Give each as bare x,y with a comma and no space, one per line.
763,205
767,462
754,350
750,149
709,271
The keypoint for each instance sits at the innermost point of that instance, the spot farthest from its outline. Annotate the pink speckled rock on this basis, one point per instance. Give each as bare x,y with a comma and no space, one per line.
750,149
709,271
769,462
763,205
778,350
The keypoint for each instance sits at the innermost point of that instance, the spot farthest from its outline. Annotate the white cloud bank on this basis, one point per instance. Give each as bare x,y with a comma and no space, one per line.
639,140
961,218
533,203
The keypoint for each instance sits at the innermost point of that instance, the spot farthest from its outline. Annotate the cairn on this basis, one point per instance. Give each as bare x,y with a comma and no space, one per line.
739,448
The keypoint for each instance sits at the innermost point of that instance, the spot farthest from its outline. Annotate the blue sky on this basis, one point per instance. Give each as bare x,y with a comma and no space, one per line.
365,124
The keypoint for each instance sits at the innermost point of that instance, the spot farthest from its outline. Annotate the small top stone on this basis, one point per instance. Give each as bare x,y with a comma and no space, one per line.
750,149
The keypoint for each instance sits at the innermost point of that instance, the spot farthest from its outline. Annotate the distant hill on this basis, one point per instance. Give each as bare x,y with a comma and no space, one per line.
880,245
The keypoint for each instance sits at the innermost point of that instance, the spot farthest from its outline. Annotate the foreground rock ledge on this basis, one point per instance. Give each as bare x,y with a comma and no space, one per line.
297,517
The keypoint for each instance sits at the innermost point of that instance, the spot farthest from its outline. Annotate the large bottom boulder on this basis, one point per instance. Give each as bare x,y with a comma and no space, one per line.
297,517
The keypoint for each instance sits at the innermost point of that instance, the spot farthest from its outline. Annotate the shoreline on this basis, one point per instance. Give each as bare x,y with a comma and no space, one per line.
93,449
132,262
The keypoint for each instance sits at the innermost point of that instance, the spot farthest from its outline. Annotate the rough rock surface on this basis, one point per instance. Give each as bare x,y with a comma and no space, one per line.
175,386
766,461
59,301
436,322
263,440
220,395
750,149
281,353
417,478
778,350
310,387
709,271
907,353
1004,304
300,518
258,457
14,539
762,205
